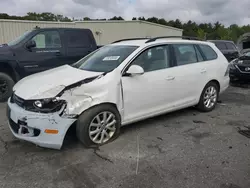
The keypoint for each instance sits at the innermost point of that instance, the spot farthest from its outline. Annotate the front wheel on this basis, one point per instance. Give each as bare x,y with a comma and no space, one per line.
98,125
209,97
6,86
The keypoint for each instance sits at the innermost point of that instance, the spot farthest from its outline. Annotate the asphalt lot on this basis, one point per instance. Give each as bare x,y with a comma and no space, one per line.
181,149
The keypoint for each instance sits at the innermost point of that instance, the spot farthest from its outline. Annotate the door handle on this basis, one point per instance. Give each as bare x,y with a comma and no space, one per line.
203,71
30,66
58,53
170,78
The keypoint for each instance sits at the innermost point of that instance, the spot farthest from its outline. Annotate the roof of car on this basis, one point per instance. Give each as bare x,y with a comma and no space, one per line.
142,42
221,41
59,28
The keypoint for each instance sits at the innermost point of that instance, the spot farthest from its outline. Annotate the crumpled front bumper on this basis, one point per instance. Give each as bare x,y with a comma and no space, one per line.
33,127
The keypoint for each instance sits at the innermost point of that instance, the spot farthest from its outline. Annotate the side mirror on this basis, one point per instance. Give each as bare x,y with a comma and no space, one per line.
135,70
31,44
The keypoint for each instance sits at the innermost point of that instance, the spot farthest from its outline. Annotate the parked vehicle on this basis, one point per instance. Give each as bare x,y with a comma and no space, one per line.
240,68
228,48
39,50
118,84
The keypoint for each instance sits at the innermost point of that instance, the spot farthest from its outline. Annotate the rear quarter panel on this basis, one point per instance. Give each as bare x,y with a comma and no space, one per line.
218,68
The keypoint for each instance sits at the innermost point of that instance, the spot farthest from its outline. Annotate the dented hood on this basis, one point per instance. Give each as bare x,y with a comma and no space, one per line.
49,83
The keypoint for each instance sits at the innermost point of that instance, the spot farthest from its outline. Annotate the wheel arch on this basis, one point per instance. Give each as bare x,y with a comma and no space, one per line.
216,82
7,68
72,128
100,104
211,81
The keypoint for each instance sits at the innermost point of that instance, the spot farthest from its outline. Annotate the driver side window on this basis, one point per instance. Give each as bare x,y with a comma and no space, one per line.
154,58
47,39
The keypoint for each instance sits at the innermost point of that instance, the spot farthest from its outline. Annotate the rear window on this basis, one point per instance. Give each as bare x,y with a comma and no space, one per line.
208,52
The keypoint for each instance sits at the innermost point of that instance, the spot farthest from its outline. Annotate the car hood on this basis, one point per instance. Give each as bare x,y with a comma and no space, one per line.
50,83
243,60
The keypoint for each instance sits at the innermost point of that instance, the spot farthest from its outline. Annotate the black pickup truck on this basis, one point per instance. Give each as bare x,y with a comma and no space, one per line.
41,49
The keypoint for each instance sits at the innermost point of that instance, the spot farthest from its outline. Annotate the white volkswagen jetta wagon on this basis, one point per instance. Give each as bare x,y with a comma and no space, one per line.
118,84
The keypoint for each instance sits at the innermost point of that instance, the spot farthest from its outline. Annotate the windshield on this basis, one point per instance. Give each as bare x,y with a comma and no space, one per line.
106,58
19,39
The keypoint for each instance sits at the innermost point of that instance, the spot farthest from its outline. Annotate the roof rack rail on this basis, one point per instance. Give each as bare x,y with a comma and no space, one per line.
182,37
142,38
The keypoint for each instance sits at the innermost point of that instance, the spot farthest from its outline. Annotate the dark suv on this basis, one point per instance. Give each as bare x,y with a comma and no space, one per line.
228,48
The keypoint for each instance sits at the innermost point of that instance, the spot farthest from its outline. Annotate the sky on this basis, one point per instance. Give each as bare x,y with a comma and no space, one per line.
225,11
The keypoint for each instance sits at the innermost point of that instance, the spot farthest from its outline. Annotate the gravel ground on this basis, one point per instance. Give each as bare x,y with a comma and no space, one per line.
181,149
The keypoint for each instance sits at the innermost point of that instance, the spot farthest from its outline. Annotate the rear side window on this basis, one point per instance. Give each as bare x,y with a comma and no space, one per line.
78,38
208,52
185,54
221,45
230,46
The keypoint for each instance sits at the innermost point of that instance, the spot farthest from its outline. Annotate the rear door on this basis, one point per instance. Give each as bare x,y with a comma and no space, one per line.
48,53
79,43
190,74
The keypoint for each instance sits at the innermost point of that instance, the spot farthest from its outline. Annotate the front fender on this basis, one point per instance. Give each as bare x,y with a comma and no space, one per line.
101,91
11,67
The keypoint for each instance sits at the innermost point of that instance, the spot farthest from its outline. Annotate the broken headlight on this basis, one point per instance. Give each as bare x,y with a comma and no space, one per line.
48,105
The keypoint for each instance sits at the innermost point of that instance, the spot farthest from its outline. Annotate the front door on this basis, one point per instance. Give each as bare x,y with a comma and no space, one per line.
47,54
153,91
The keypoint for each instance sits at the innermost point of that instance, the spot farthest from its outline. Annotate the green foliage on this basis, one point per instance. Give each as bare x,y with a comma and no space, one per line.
203,30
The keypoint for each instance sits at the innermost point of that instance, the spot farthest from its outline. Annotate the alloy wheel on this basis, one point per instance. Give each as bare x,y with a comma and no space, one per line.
102,127
210,97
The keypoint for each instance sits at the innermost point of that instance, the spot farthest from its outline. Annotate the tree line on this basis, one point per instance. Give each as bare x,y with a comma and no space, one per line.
190,28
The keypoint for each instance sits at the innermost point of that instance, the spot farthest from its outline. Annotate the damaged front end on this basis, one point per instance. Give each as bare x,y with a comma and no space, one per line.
67,102
50,105
44,122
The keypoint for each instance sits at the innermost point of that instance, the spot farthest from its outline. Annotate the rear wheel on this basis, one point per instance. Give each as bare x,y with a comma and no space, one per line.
6,86
209,97
98,125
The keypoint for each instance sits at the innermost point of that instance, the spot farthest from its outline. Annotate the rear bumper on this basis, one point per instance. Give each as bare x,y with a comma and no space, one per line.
224,84
30,126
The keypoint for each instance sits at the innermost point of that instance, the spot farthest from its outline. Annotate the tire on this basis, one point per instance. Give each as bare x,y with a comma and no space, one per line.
6,86
213,98
84,125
